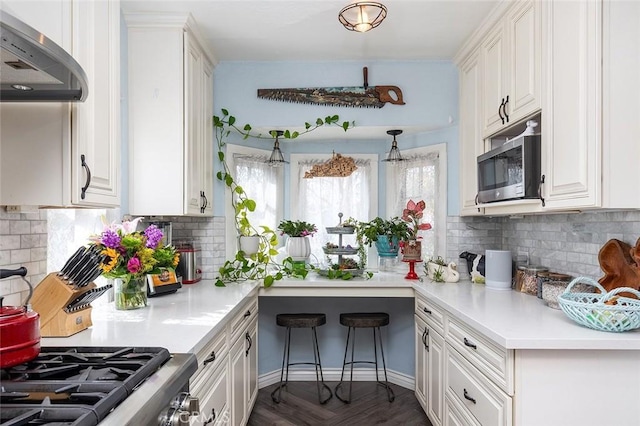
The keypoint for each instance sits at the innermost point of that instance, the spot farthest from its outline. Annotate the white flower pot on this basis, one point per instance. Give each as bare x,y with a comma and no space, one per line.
249,245
298,248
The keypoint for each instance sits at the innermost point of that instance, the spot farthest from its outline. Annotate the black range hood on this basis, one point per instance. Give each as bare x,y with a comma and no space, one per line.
33,68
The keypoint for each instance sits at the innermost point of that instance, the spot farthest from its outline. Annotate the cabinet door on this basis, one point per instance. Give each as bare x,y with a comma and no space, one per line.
523,33
193,131
471,142
571,123
237,371
95,165
494,79
207,141
421,362
435,377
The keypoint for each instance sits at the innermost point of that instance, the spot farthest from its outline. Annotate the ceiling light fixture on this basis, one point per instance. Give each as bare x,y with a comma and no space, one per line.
276,159
362,16
394,152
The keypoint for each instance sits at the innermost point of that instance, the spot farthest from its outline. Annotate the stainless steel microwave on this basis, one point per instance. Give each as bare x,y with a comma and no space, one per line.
511,171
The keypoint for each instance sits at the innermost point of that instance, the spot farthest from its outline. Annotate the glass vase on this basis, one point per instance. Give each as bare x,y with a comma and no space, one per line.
130,294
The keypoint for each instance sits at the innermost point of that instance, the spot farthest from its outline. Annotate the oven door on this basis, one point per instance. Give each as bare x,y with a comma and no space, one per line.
501,173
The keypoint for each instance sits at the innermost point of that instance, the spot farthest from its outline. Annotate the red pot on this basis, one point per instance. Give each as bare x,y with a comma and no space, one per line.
19,335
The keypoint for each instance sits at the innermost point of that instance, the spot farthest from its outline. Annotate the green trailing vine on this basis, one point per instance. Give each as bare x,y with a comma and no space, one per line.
258,266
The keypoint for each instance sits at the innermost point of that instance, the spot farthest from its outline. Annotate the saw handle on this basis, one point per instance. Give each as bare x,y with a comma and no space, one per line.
391,94
365,76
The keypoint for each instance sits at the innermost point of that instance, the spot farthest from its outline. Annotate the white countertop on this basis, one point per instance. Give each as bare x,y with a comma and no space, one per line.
517,320
180,322
185,320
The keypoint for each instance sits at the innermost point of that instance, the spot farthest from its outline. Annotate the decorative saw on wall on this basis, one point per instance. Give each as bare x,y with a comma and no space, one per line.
360,97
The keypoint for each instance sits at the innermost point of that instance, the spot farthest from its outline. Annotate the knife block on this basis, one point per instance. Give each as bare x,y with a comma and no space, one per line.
49,300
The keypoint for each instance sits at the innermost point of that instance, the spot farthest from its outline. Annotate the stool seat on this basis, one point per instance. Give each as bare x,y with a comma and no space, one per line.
301,320
364,319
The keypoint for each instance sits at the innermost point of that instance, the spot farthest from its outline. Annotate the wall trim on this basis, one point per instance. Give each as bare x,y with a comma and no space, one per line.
333,375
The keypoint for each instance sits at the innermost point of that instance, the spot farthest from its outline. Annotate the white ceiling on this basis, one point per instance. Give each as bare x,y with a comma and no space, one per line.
293,30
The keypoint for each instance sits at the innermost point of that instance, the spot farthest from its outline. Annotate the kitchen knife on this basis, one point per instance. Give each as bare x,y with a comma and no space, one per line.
75,267
85,299
67,264
91,261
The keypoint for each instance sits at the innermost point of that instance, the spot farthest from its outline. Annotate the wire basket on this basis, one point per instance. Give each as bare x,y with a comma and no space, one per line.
590,310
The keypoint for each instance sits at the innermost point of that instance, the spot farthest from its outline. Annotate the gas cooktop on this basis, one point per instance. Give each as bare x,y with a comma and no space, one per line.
74,386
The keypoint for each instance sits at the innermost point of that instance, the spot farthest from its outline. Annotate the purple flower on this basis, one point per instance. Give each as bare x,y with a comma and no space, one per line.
110,239
133,265
154,235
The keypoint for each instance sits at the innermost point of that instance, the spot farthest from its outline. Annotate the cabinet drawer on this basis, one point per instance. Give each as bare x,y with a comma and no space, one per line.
209,358
239,323
472,390
430,313
495,362
457,416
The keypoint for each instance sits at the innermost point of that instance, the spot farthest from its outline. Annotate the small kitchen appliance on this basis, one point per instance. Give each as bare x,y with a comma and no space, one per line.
510,171
498,268
188,267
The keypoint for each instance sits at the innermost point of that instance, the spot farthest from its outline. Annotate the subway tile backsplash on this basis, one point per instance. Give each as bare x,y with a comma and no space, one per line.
563,242
566,243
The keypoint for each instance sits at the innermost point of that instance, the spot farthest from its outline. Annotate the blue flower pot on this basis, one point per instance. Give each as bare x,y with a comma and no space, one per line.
386,248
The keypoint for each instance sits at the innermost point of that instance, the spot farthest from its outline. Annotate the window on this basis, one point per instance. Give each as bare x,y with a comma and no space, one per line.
261,182
319,200
423,176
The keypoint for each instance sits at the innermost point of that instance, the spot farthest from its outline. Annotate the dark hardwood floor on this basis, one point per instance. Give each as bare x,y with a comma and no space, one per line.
369,406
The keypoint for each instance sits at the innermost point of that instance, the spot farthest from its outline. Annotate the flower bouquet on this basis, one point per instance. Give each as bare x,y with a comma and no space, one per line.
129,255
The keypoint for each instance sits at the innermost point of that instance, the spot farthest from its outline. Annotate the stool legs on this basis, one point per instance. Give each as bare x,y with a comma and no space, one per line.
347,400
284,377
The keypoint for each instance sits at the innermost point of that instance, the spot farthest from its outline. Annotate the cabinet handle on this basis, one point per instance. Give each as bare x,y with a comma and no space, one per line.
469,343
426,311
247,314
504,108
83,191
540,190
211,358
500,111
424,338
477,195
246,336
467,397
212,417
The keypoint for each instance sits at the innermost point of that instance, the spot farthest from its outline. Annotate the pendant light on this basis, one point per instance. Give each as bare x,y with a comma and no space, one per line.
276,159
362,16
394,152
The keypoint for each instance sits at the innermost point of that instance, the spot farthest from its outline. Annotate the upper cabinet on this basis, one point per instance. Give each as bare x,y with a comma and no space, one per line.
170,116
511,67
68,154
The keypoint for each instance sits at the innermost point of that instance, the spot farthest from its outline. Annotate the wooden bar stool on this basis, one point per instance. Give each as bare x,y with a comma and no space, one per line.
301,321
373,320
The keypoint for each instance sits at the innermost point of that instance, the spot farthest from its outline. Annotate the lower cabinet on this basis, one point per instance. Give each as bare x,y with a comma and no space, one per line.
226,382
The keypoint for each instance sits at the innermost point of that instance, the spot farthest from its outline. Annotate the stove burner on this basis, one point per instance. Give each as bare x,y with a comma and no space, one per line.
74,386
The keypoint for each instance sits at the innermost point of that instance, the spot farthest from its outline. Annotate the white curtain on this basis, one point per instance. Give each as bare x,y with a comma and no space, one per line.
322,198
418,179
260,182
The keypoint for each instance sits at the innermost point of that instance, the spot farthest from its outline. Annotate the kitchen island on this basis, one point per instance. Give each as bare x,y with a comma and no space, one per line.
525,354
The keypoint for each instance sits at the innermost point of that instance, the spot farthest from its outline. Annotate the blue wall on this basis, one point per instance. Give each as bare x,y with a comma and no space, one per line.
430,91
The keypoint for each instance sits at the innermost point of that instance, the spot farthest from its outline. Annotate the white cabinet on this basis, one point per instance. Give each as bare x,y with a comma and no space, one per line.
243,362
429,369
591,107
170,117
511,67
68,154
471,141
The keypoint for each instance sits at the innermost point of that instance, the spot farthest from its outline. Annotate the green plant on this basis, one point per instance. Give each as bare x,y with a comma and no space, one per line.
438,261
438,275
394,227
360,238
258,266
297,228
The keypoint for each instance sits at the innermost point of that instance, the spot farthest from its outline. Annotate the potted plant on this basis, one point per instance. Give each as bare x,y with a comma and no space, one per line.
412,215
385,233
298,247
439,271
259,265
